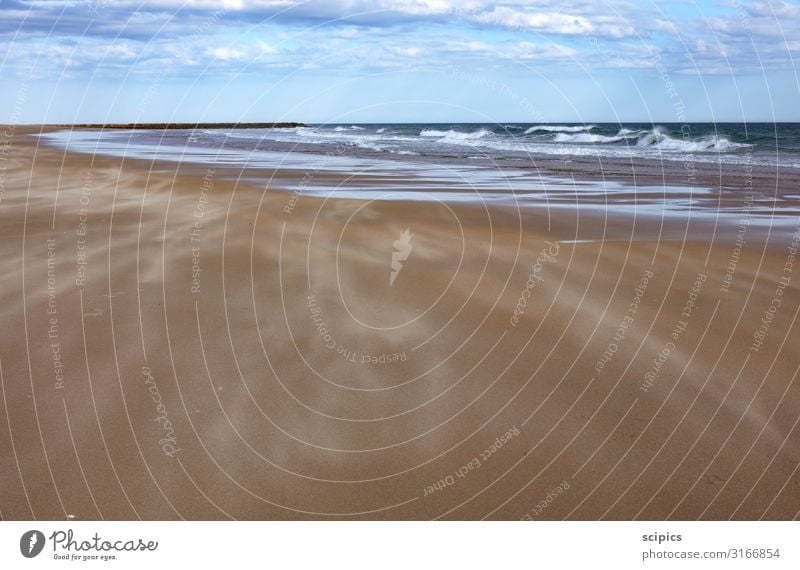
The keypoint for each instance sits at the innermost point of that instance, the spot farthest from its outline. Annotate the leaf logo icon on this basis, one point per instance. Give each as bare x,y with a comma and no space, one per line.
403,249
31,543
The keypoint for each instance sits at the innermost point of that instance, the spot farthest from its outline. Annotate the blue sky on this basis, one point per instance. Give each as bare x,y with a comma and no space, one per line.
398,60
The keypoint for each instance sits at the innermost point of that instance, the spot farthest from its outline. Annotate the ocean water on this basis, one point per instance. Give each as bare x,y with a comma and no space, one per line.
765,144
448,162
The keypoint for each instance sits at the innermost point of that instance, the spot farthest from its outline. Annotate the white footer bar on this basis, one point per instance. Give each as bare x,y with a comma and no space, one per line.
400,545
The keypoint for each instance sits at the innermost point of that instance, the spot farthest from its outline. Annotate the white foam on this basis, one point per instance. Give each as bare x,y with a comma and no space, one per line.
455,135
625,132
559,129
586,138
657,139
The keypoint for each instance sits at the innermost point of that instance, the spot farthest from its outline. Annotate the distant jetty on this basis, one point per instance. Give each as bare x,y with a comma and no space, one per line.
163,126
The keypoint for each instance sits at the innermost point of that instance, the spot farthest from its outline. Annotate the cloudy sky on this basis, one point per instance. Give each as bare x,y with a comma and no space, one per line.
399,60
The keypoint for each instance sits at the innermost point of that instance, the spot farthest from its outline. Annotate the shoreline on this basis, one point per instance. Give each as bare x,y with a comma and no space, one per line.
684,171
623,193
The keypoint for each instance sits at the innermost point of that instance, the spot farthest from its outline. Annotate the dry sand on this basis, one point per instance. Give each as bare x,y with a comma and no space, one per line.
179,345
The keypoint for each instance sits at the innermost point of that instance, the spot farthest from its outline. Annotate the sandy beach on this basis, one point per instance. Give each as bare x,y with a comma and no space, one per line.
184,341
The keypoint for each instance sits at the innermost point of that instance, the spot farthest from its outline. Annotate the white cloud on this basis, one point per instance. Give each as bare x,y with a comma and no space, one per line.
121,51
771,9
348,32
241,52
665,26
711,48
415,7
529,50
554,22
410,51
539,21
469,46
226,53
376,34
265,48
518,50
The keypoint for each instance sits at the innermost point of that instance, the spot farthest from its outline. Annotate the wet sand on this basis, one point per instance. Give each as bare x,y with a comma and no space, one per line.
180,344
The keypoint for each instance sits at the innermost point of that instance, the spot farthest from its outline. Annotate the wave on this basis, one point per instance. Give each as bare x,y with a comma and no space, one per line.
659,140
588,138
624,132
559,129
655,139
454,135
654,142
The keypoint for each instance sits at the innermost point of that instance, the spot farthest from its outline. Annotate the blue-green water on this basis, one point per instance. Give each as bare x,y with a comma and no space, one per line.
764,143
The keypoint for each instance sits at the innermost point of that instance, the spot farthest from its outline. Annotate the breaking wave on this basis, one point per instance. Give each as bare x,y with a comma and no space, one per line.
454,135
657,139
559,129
587,138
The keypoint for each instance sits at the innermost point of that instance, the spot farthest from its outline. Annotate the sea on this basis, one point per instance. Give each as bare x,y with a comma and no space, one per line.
545,166
765,144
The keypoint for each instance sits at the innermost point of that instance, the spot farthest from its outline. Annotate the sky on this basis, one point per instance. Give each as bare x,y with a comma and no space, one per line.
349,61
